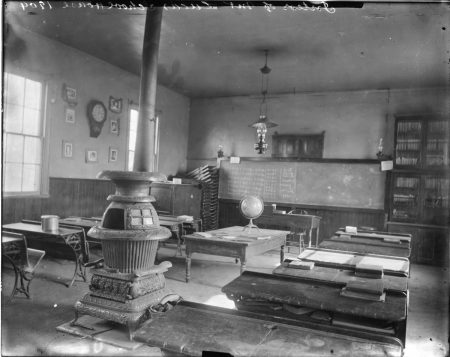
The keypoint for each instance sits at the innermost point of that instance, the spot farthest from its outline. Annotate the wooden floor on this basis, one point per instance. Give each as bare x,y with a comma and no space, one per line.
29,326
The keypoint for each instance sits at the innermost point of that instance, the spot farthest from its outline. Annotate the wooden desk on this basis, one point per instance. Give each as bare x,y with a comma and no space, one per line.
234,242
377,236
82,222
180,228
369,245
307,300
68,236
339,276
191,329
305,222
348,260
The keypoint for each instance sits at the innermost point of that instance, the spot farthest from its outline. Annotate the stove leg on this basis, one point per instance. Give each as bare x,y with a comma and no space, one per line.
132,327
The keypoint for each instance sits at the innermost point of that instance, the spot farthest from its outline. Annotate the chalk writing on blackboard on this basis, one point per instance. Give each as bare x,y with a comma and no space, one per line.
310,183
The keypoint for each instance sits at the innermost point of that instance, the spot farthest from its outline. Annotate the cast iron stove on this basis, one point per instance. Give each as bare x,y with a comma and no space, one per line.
129,283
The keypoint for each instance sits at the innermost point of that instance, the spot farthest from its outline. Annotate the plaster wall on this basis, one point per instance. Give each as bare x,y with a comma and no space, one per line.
27,53
354,122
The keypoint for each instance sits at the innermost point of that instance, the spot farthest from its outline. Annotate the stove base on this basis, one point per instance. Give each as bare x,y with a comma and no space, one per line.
132,313
125,298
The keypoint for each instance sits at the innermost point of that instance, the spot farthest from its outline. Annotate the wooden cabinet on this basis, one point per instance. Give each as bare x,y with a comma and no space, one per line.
422,141
419,185
177,199
429,243
297,146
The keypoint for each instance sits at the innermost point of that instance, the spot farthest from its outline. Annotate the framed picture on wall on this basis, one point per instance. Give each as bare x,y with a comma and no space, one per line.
115,104
70,115
115,126
67,149
69,95
113,154
91,156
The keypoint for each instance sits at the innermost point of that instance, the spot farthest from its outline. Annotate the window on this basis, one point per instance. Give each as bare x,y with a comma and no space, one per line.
132,132
23,136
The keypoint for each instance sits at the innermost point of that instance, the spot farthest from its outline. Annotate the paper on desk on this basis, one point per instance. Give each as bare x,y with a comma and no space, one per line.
185,218
204,234
350,229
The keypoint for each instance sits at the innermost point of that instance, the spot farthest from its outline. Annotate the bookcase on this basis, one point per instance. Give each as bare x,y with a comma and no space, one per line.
419,186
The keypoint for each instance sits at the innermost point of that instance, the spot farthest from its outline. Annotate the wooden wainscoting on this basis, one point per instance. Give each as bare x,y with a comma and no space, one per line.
67,197
332,217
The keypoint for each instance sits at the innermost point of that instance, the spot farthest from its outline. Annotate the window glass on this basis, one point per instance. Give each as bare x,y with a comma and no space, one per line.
13,118
32,150
14,148
31,121
22,136
16,89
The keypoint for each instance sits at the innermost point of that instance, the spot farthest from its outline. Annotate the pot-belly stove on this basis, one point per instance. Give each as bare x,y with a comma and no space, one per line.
129,283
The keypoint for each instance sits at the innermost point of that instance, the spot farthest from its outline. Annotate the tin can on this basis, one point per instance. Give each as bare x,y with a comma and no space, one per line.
49,223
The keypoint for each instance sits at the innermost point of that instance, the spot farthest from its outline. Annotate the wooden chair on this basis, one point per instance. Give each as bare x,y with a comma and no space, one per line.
24,261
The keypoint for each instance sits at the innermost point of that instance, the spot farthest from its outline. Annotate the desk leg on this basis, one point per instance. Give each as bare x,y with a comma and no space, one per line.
178,244
74,242
317,236
16,275
282,254
243,263
188,265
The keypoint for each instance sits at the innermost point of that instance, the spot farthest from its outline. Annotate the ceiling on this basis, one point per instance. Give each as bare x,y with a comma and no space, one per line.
218,52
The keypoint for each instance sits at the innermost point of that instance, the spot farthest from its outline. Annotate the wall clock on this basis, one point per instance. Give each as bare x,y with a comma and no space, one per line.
96,112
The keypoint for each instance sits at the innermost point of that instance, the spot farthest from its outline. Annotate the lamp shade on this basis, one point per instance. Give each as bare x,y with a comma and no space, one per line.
263,121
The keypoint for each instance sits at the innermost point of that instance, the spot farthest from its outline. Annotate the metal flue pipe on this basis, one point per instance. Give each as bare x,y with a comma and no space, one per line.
144,158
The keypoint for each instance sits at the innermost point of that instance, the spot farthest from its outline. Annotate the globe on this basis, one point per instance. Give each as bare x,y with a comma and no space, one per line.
251,207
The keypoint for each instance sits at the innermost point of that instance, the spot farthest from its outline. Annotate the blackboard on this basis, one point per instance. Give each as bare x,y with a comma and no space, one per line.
356,185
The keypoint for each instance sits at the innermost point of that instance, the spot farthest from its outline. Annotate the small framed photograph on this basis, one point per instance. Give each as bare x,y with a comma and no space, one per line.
115,126
91,156
113,154
115,104
70,115
67,149
69,95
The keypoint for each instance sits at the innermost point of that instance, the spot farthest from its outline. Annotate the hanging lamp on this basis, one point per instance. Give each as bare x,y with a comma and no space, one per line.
263,123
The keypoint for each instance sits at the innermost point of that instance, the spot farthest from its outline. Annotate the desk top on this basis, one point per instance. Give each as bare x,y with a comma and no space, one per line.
381,236
191,328
37,229
336,258
397,284
238,235
80,222
9,237
306,221
365,246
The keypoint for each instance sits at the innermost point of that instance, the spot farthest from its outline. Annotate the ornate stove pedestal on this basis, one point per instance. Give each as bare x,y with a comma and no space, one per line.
130,284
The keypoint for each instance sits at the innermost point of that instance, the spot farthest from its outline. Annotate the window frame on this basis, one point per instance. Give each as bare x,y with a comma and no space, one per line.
156,137
43,190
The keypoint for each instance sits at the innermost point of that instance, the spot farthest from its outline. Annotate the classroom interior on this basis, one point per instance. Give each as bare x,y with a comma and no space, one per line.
263,179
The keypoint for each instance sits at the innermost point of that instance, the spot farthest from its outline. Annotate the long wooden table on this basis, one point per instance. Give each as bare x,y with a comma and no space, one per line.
236,242
192,329
70,237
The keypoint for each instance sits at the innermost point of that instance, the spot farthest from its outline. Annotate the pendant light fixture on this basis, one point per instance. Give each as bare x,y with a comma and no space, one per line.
263,123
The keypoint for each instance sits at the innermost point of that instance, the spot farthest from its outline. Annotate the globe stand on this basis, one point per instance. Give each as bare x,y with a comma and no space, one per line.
251,225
